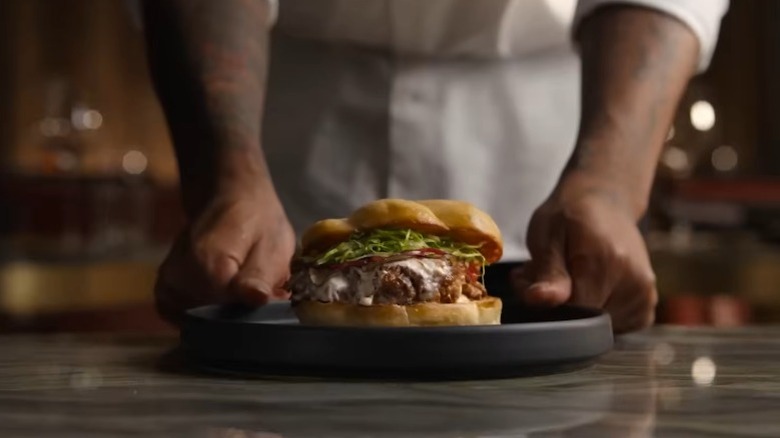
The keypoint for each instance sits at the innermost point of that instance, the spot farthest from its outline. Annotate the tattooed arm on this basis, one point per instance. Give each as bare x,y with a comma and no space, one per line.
208,63
636,64
584,242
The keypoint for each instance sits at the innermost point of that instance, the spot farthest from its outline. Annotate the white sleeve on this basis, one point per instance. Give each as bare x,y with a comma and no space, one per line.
701,16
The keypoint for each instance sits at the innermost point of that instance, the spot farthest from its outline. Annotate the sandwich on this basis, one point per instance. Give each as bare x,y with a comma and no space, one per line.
396,262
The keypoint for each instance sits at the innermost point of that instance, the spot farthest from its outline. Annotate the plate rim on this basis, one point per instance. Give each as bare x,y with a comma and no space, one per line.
202,339
596,316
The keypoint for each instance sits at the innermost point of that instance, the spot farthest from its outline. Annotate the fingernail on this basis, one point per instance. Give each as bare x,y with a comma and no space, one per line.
538,293
253,292
281,294
541,287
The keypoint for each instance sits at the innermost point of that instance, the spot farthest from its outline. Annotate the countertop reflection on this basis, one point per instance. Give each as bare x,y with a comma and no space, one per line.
663,382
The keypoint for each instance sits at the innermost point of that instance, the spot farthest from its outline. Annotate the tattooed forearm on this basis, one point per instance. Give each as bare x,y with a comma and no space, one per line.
636,64
208,63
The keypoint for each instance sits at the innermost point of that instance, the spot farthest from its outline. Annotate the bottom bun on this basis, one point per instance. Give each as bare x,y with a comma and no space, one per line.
482,312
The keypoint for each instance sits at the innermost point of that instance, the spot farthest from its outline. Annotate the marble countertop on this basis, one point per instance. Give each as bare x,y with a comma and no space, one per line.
663,382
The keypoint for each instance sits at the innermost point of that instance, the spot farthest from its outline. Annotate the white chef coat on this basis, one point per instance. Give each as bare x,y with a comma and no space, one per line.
475,100
459,99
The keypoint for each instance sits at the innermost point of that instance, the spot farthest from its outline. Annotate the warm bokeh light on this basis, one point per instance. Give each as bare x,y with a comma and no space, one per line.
675,159
703,371
702,115
134,162
724,158
87,119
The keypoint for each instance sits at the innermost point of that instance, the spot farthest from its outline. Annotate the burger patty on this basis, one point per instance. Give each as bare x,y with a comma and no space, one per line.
403,282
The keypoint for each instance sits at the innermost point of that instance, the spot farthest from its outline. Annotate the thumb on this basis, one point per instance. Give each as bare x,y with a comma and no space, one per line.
220,253
549,282
256,280
264,272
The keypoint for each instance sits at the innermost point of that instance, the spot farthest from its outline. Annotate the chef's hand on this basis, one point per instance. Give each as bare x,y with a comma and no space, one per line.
586,249
237,250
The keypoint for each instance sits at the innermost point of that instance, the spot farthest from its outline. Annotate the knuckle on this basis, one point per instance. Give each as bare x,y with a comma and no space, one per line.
222,267
620,255
653,296
648,291
646,284
286,243
654,300
202,250
648,278
279,249
646,320
250,274
649,300
218,263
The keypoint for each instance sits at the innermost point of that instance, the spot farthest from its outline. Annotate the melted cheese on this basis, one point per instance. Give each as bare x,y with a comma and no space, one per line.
430,270
334,286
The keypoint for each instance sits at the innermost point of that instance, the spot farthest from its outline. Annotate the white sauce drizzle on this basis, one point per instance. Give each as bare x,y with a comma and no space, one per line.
330,286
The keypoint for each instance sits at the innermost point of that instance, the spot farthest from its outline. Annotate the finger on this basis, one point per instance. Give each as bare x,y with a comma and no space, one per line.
550,281
633,302
221,252
519,278
179,284
251,284
591,283
632,316
263,273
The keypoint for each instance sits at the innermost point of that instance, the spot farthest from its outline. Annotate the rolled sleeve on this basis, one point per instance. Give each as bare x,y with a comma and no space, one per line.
703,17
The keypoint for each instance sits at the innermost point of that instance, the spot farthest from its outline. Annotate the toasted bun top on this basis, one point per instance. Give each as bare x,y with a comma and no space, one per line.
458,220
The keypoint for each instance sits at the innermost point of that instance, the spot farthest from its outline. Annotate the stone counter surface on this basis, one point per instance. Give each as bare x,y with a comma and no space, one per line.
663,382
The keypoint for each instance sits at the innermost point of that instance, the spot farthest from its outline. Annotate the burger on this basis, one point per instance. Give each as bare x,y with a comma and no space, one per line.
397,262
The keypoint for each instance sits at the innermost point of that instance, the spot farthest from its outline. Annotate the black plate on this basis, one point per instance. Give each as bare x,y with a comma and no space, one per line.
269,341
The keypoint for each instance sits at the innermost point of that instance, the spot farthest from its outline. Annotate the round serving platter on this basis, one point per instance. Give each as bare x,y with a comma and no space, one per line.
268,341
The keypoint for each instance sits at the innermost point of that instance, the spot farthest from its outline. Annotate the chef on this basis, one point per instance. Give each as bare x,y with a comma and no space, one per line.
548,114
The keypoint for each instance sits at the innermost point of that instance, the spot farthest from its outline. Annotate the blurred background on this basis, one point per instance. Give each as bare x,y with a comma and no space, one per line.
89,201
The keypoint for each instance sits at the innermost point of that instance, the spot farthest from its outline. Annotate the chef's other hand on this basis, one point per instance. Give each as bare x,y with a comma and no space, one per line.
237,250
586,249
